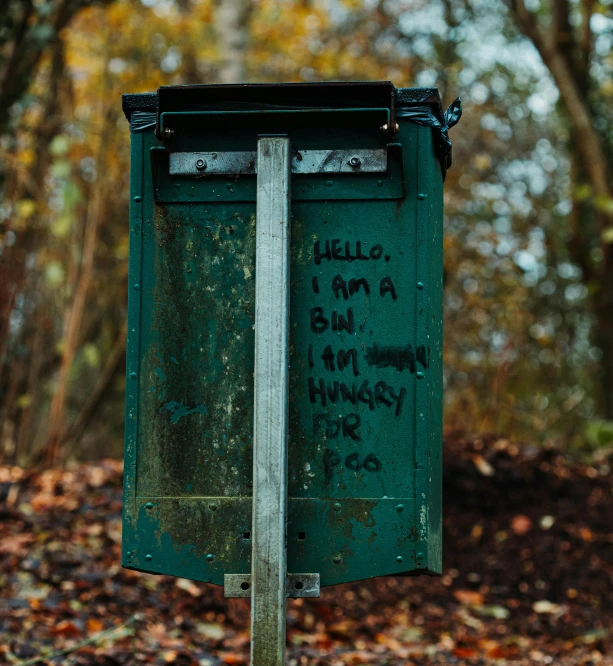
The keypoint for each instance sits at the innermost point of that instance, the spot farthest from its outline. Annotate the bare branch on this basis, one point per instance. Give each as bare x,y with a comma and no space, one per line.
589,143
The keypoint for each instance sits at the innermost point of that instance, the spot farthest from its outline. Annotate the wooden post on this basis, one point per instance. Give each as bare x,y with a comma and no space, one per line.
269,552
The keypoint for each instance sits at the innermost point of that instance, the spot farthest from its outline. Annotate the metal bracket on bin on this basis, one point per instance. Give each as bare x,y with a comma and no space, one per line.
302,162
297,585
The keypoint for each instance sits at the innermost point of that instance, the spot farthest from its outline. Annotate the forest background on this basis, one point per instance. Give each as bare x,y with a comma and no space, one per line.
528,201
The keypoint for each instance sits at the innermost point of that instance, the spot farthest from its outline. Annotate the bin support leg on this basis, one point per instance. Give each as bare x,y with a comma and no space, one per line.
269,554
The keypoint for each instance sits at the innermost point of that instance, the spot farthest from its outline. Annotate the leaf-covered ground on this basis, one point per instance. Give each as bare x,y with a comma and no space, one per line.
528,577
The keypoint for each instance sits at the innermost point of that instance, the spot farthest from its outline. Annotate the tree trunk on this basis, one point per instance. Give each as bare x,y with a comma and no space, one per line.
604,340
567,57
93,400
57,412
231,24
24,440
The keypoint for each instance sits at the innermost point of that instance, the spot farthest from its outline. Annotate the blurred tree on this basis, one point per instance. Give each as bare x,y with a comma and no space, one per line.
562,34
28,30
232,27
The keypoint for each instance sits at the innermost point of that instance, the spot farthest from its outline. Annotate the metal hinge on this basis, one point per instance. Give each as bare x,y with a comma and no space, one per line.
297,585
303,162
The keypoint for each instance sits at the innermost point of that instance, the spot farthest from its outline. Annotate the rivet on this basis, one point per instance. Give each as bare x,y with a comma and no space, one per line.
420,555
399,507
399,558
329,183
148,557
421,196
149,505
420,285
213,506
385,128
138,199
336,559
380,182
129,553
419,375
136,287
210,557
133,375
337,506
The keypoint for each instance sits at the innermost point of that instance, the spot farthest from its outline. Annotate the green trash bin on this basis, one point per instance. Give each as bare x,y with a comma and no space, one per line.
357,170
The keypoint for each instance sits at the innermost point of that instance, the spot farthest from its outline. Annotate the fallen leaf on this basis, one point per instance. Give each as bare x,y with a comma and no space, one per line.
232,658
498,612
521,525
483,466
15,544
464,652
211,630
545,606
94,625
468,597
189,586
66,628
547,522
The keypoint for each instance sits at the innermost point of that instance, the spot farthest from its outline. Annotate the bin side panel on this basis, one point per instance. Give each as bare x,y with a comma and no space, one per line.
435,332
132,348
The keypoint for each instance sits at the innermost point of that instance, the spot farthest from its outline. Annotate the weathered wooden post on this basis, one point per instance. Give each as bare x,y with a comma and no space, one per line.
284,361
271,388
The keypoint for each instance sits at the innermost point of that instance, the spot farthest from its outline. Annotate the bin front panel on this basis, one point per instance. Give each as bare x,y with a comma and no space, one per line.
365,368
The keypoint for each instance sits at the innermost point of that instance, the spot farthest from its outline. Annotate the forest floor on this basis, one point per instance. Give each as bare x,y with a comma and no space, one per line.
528,577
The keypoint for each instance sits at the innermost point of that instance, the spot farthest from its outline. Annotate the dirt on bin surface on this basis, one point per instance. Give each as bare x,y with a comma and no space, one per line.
528,576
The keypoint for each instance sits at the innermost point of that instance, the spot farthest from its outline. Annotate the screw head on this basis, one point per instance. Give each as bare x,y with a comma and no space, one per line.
336,559
213,506
385,128
337,506
419,375
399,558
149,505
133,375
210,557
421,196
200,164
355,162
420,285
399,507
148,557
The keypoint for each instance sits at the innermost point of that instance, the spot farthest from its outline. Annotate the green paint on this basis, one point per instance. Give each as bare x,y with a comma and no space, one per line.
178,410
364,452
